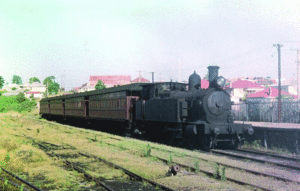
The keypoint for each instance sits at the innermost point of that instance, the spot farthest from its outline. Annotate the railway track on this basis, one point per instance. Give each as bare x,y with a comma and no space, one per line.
28,184
287,162
99,182
211,174
256,172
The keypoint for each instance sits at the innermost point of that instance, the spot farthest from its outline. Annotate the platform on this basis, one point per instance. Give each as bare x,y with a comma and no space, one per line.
282,134
277,126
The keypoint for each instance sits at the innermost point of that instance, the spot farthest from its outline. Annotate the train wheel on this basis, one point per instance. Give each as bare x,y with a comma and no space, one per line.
179,138
234,144
192,141
207,142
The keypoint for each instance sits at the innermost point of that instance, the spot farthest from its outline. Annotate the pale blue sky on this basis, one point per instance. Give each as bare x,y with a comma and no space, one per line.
97,37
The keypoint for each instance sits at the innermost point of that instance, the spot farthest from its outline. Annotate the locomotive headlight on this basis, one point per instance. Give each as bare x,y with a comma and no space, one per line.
221,81
217,131
250,131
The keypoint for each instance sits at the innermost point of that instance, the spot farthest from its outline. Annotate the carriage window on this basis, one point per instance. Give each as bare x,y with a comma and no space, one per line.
118,104
156,92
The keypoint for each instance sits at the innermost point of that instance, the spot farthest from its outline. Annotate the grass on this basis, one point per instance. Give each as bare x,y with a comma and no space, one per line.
256,145
26,159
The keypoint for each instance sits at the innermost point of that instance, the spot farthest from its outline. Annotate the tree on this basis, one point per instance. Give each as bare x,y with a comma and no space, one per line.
1,82
100,85
34,79
17,80
52,86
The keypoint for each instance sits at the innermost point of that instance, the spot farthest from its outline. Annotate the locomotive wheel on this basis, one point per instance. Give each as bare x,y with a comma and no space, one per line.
234,144
206,142
179,138
192,141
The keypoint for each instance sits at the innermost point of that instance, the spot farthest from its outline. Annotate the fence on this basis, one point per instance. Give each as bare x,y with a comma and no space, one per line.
266,111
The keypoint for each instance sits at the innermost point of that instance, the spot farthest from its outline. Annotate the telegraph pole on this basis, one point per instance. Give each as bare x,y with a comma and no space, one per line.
298,54
279,82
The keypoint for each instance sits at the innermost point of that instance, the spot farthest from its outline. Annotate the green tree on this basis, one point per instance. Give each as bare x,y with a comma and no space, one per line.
100,85
34,79
52,86
17,80
1,82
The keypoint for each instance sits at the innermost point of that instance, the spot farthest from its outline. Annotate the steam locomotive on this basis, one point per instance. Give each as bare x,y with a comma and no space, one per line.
168,111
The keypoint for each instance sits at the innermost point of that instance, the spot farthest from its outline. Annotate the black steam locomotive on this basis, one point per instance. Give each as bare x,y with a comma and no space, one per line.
202,117
167,111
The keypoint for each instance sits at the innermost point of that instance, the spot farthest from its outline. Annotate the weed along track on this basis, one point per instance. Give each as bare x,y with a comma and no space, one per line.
263,179
114,185
18,184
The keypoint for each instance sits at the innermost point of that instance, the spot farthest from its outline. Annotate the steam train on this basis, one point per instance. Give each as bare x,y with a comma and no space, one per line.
167,111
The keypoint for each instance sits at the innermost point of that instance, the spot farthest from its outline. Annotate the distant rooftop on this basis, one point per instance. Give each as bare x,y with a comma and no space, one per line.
269,93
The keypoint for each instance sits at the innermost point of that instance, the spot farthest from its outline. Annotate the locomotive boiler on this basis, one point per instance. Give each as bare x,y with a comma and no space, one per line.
201,117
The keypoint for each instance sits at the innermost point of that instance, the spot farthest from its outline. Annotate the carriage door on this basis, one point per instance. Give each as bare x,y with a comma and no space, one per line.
86,105
63,107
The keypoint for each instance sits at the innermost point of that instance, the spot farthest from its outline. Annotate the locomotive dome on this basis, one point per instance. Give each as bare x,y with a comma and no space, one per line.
194,82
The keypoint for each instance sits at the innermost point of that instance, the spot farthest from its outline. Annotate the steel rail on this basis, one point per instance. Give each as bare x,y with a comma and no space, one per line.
14,184
68,163
212,174
229,166
269,154
22,180
129,173
254,159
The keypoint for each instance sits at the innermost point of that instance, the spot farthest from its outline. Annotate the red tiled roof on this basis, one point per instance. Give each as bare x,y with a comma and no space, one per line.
140,79
204,84
269,93
244,84
110,80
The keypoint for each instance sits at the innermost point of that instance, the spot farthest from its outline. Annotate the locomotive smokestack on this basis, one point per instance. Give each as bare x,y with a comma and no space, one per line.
213,74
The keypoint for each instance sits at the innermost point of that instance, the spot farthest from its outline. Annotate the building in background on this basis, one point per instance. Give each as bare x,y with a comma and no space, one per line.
36,89
140,79
110,81
239,89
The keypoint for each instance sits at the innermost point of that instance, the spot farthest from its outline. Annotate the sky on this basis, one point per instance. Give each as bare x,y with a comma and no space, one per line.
73,40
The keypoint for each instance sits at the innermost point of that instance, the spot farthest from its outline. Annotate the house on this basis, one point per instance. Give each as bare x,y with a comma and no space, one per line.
11,87
110,81
140,79
287,85
239,89
271,93
36,89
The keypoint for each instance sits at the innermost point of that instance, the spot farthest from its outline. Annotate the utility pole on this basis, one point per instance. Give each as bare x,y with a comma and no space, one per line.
279,82
298,54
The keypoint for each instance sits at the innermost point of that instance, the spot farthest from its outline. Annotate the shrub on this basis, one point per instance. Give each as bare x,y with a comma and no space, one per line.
16,103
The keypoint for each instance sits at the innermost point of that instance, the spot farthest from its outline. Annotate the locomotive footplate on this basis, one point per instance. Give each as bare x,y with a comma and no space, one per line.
203,128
